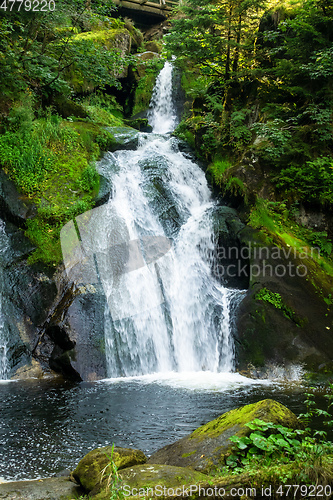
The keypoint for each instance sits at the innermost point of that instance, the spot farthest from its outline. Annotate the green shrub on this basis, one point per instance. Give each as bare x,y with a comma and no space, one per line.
311,182
218,170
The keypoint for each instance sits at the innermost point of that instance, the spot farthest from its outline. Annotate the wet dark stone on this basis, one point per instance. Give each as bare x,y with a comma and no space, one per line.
14,207
105,191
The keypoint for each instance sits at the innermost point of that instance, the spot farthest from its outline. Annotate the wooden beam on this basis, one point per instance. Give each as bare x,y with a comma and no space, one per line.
143,6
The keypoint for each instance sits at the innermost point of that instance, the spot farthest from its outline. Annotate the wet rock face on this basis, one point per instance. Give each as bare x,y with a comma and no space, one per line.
50,325
82,346
13,207
291,324
230,261
27,293
178,93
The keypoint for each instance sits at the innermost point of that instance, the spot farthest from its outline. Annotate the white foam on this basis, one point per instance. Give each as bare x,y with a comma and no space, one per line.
201,380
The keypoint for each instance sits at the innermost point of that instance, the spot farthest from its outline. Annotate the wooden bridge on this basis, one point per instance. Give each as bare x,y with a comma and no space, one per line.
160,8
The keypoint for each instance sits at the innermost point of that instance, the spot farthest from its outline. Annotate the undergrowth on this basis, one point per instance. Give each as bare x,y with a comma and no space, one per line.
274,454
52,162
276,301
275,218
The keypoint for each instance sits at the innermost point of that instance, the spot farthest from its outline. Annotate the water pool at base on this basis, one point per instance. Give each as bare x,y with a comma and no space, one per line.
48,426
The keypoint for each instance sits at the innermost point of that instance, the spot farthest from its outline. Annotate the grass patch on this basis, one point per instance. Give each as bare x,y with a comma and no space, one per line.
218,170
52,162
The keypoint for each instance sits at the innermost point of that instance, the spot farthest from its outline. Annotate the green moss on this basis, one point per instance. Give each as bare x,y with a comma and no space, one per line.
218,170
143,92
103,117
54,166
185,455
97,464
106,38
276,301
238,417
145,478
309,248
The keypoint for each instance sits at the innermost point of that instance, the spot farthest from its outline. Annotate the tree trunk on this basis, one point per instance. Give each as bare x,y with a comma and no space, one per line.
236,56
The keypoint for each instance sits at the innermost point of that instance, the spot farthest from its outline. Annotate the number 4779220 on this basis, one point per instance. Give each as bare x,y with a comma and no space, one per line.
27,5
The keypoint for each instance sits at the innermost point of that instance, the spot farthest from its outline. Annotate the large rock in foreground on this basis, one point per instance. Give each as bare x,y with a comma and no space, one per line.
151,481
157,477
54,488
96,465
205,448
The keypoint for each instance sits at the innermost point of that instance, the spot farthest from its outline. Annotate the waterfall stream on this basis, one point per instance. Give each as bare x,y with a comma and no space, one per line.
4,363
170,314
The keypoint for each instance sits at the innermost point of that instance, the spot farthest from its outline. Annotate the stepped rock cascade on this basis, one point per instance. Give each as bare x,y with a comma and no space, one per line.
4,363
168,313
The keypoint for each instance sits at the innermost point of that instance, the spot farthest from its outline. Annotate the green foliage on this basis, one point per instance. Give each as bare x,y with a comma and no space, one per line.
240,134
276,301
312,411
236,187
218,169
52,161
113,483
312,182
89,180
272,445
24,151
272,139
183,132
217,36
44,57
149,71
39,48
264,94
267,440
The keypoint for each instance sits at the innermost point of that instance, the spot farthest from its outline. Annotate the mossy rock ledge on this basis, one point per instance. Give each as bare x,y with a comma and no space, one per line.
204,450
96,464
152,481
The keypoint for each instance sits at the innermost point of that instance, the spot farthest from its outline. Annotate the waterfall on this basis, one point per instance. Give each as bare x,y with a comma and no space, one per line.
4,363
168,313
161,115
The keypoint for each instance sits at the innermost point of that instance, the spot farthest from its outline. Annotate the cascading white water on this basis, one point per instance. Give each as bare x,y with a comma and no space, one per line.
161,115
4,364
171,314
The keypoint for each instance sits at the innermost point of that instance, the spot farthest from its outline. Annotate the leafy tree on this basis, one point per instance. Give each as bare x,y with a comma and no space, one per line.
37,48
216,35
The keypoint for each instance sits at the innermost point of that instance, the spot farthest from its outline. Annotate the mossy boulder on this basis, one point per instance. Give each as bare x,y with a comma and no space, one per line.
204,450
154,46
126,138
292,325
66,108
14,207
150,481
96,464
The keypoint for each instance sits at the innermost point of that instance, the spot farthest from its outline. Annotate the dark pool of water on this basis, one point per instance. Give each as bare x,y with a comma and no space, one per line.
49,426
